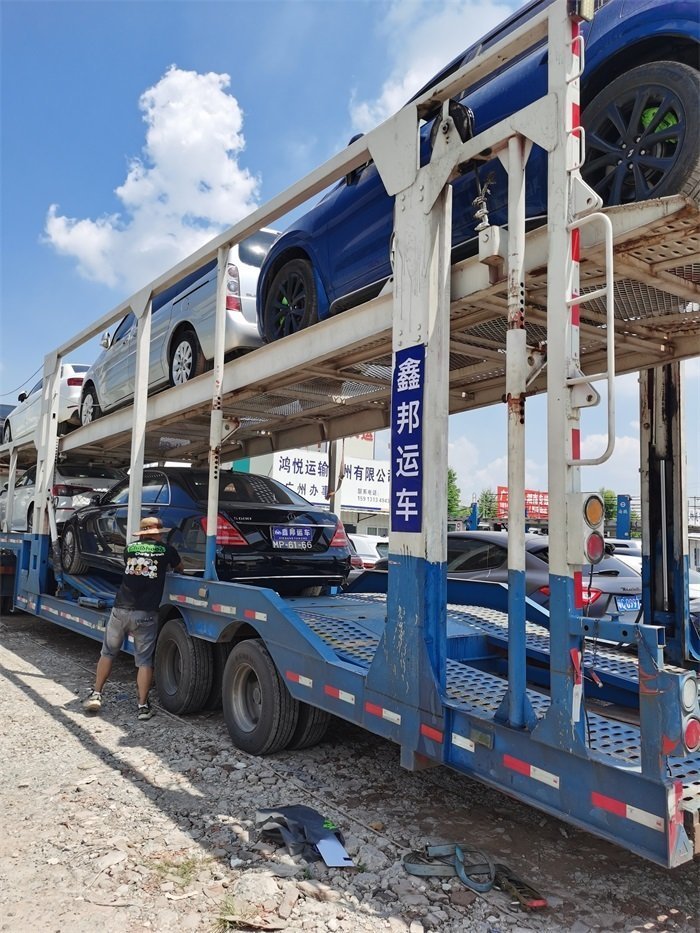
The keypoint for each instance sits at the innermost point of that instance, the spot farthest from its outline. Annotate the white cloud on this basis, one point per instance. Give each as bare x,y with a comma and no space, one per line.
421,39
185,188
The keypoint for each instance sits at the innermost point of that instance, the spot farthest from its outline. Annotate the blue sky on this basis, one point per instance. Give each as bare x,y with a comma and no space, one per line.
100,194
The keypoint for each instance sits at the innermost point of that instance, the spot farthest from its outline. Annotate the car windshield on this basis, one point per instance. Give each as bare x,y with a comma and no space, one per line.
253,250
246,487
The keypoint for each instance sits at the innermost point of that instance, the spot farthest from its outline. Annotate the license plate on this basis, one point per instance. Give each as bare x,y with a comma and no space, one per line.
628,603
292,538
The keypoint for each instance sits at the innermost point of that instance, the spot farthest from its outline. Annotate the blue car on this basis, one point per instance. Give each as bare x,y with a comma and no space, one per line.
639,98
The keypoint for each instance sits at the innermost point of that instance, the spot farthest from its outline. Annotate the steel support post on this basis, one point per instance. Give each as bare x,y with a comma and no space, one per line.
141,306
515,708
563,723
409,665
47,439
11,479
217,417
665,518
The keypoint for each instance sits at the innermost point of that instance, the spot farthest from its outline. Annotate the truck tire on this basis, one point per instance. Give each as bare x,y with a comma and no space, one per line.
70,552
261,714
312,726
219,653
183,669
634,152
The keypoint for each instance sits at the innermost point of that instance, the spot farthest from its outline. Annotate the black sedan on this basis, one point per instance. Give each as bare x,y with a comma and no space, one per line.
267,535
610,586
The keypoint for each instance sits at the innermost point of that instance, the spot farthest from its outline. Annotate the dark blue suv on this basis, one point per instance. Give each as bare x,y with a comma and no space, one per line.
640,100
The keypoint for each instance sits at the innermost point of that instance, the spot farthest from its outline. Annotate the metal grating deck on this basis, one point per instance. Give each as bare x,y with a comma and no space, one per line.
352,633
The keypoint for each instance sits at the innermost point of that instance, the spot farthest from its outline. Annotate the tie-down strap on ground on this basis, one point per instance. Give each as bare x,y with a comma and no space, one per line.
473,867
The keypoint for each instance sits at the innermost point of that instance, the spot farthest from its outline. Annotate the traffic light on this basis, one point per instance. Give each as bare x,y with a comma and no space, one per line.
586,522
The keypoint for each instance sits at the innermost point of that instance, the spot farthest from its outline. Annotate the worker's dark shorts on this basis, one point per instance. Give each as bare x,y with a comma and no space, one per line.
143,626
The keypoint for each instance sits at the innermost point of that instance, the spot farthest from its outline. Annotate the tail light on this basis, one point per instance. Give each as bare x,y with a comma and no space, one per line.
233,288
63,490
545,591
368,564
74,381
691,734
339,539
226,533
590,595
356,562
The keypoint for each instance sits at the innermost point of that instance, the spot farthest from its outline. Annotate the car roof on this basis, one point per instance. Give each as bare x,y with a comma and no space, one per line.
532,542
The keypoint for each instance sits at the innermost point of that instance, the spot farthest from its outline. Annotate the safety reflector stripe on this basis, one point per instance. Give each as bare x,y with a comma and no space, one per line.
537,774
628,812
462,741
299,679
431,733
576,443
63,615
227,610
189,600
383,713
258,616
339,694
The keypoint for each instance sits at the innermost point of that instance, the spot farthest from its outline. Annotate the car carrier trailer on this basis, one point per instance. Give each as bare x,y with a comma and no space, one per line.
472,676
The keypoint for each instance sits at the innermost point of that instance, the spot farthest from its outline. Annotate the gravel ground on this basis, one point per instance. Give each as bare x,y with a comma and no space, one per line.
150,826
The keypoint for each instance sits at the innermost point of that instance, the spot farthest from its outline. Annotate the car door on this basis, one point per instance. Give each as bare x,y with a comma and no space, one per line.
116,378
472,559
25,419
23,498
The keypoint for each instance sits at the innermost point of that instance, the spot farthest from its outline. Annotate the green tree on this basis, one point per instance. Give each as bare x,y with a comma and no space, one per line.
487,504
610,500
454,503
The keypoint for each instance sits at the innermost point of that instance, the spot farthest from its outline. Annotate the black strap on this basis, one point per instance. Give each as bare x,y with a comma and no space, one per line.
449,860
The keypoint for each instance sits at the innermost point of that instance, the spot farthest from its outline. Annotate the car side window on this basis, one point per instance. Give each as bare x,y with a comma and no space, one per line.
124,328
464,556
36,388
156,489
28,479
119,495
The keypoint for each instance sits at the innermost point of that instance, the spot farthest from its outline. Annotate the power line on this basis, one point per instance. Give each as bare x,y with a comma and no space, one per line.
12,391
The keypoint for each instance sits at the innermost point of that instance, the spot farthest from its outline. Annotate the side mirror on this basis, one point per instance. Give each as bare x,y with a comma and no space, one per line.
21,397
105,340
96,498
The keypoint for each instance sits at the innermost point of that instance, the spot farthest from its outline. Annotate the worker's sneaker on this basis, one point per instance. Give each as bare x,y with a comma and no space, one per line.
93,704
145,711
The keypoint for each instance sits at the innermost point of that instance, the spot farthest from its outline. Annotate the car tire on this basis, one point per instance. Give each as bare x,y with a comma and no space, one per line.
632,154
186,358
291,302
261,714
312,726
6,433
89,406
71,560
183,669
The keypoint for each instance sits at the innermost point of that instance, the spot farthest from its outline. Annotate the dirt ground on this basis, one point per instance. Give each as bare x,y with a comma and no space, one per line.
150,826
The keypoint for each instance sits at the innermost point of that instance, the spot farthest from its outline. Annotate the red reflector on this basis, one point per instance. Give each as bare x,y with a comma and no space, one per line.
339,538
691,735
226,533
590,595
233,303
595,548
545,591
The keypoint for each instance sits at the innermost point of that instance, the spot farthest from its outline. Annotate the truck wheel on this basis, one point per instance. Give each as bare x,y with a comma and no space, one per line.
291,303
89,406
70,552
220,653
183,669
312,726
186,358
641,137
260,713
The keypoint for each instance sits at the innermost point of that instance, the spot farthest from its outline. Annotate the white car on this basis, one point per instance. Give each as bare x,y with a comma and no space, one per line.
22,421
73,487
182,330
370,548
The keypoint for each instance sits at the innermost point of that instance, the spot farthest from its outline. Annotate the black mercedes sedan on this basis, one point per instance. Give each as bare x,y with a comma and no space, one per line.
266,535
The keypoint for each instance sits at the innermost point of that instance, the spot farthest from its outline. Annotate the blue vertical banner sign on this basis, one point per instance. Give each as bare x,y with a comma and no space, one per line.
623,523
407,440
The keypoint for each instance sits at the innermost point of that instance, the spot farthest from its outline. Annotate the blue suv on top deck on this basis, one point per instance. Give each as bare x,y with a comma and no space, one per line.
639,98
